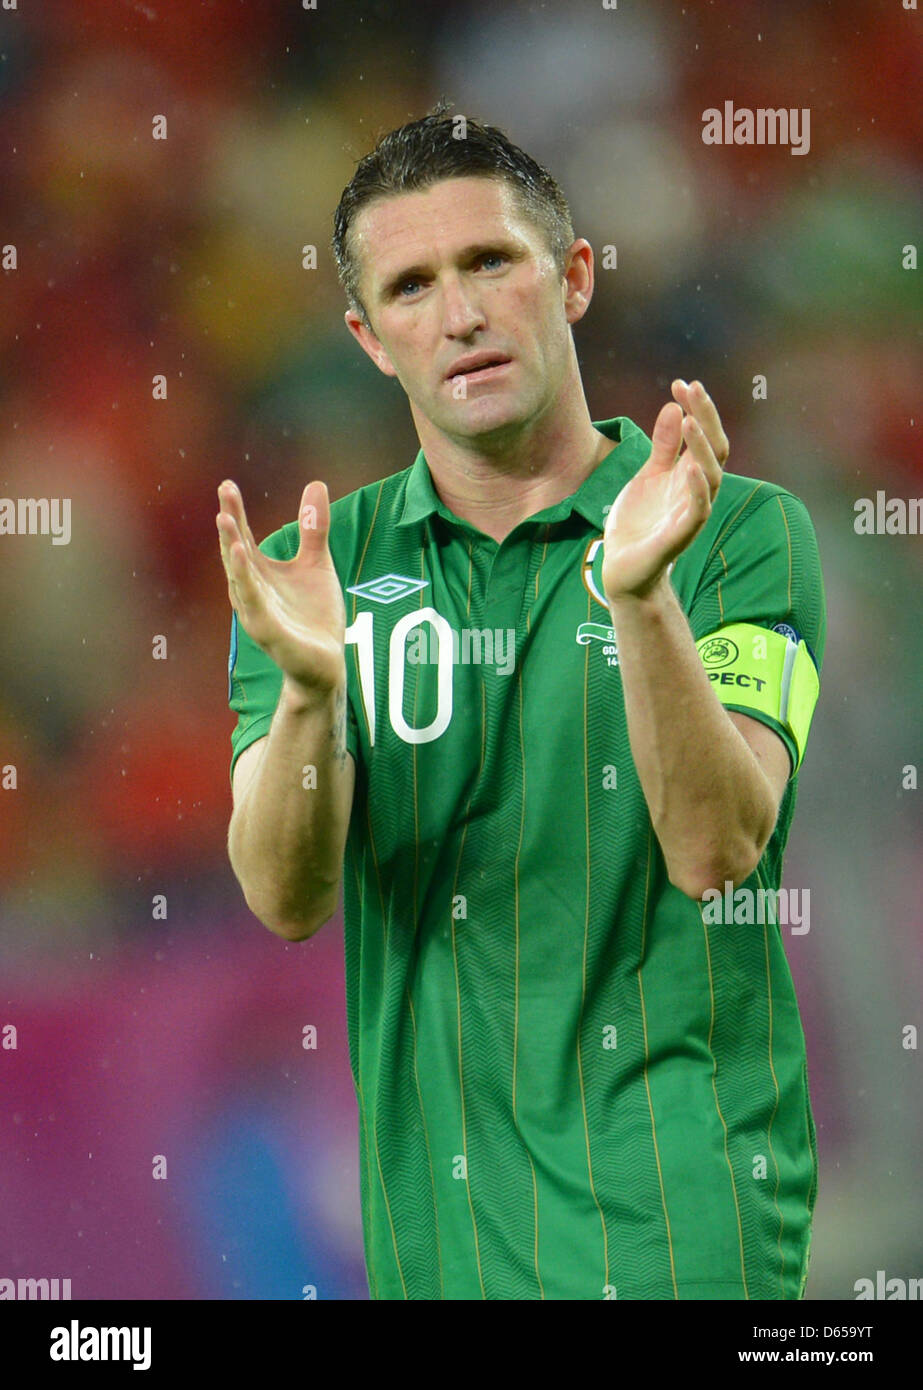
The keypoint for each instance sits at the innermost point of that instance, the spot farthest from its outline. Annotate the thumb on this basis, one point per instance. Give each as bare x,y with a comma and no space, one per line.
313,521
666,437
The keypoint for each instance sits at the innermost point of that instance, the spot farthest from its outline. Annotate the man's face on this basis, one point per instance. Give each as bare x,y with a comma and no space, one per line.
467,308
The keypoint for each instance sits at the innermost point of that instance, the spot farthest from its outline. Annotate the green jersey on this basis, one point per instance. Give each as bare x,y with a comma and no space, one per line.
571,1083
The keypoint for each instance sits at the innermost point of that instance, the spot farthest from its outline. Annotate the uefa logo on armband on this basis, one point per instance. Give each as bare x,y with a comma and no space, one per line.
718,652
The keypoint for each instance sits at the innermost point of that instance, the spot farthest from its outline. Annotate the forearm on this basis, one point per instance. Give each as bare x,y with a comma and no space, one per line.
288,832
711,804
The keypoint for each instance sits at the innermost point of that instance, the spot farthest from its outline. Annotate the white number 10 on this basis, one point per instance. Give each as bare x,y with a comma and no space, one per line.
361,632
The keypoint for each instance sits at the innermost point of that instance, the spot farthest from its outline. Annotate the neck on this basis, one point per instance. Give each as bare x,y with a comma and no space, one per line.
496,487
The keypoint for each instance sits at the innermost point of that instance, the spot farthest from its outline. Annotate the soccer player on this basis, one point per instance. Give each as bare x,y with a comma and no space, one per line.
540,699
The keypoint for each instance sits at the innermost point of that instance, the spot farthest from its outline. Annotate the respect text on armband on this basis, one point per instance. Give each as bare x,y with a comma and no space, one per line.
730,678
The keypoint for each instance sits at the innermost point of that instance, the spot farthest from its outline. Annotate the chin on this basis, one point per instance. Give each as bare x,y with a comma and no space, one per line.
476,419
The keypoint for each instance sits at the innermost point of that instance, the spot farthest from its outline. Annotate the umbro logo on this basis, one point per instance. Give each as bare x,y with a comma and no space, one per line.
388,589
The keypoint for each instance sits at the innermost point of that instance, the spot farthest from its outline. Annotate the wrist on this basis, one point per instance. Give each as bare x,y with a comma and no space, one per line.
297,697
653,598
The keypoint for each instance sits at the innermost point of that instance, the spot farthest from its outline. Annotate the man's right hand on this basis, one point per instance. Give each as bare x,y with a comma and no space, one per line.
293,609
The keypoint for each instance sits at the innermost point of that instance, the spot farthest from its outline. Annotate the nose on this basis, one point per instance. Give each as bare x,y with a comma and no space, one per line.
461,313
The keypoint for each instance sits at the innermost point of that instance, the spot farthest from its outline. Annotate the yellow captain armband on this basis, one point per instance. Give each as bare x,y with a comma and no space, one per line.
766,670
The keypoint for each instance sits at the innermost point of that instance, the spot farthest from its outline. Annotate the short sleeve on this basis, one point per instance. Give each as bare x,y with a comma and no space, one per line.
254,685
764,568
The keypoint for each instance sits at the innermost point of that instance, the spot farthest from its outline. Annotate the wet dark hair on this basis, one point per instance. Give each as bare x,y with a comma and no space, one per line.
442,146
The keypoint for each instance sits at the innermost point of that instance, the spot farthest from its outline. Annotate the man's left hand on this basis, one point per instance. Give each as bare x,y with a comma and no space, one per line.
668,501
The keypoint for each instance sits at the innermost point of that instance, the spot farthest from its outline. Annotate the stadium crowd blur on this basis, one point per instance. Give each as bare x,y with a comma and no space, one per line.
139,1035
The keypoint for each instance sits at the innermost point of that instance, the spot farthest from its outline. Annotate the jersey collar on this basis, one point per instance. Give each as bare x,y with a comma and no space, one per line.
592,499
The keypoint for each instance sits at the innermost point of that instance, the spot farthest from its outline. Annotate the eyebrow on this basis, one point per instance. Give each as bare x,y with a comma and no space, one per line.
467,254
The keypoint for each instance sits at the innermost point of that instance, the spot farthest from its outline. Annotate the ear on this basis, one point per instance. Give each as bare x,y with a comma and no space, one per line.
577,280
368,342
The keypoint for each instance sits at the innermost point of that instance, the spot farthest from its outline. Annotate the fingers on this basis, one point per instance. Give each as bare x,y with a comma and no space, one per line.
228,535
248,570
239,550
232,503
696,401
232,506
692,507
701,450
701,493
240,570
